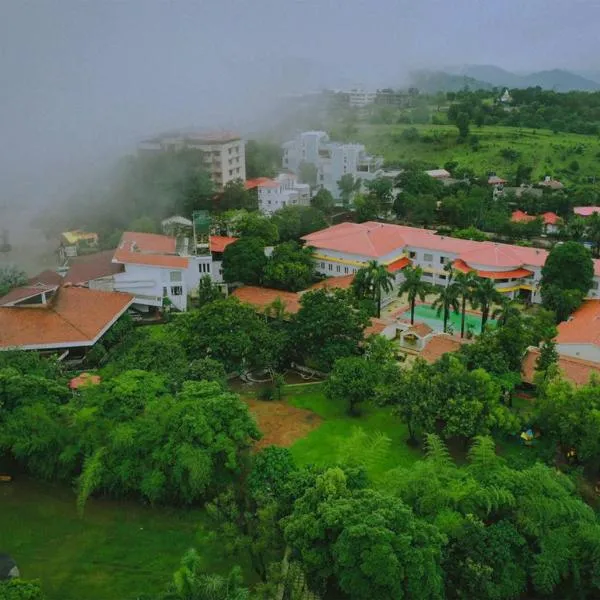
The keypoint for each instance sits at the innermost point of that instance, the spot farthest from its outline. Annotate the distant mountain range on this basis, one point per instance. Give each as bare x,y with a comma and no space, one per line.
489,76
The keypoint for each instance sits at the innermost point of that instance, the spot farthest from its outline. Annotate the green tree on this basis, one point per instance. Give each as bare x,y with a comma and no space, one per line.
293,222
462,123
366,544
352,381
592,232
143,225
308,173
255,225
372,281
289,267
11,277
465,285
447,298
244,261
21,589
229,332
263,159
484,295
366,208
570,267
208,291
506,309
236,196
206,369
414,286
547,358
380,190
323,201
348,186
327,327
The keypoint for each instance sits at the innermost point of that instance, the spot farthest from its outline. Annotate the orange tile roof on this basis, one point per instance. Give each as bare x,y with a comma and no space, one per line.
375,327
344,282
218,243
460,265
583,326
398,265
254,183
47,277
521,217
149,249
495,180
260,297
75,317
26,291
439,345
492,255
420,329
586,211
576,370
93,266
550,218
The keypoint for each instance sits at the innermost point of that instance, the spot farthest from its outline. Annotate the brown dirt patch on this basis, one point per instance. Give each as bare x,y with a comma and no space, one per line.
280,423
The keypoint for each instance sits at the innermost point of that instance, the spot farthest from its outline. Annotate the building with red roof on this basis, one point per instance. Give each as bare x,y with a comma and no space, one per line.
344,248
586,211
550,220
576,370
579,335
70,319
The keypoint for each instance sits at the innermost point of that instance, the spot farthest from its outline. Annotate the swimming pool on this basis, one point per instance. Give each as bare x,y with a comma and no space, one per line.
425,313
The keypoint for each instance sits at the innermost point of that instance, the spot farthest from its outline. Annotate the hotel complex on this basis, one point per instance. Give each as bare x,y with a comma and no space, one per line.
515,270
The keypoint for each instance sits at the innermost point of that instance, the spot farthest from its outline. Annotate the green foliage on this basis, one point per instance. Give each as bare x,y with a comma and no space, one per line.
11,277
372,281
21,589
206,369
348,186
229,332
569,266
470,233
323,201
263,159
327,327
244,261
414,287
308,173
366,208
208,291
290,267
293,222
352,381
143,225
235,196
255,225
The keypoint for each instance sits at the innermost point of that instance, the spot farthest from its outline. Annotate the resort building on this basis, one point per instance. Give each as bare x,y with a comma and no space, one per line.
224,154
550,221
333,160
284,190
515,270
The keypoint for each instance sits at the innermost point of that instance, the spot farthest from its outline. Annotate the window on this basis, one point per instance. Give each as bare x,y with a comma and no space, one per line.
322,265
204,267
330,267
442,260
175,276
176,290
412,255
230,150
427,257
346,270
237,170
230,172
502,280
594,285
338,268
428,275
442,277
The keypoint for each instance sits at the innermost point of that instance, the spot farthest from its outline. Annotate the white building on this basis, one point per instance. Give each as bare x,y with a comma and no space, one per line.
224,152
284,190
332,159
358,98
158,267
515,270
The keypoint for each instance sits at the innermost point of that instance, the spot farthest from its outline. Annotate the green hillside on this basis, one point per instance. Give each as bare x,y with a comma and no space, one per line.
572,158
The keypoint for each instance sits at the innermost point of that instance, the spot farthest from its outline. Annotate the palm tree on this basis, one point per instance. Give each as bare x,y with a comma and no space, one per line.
592,232
446,301
373,280
484,295
276,310
465,282
414,286
508,308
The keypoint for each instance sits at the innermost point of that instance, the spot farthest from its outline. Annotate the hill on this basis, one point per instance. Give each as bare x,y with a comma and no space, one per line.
488,76
572,158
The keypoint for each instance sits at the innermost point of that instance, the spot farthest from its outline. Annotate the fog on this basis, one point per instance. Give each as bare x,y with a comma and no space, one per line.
82,81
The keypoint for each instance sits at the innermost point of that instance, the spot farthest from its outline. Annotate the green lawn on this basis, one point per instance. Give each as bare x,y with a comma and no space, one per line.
117,551
321,446
546,152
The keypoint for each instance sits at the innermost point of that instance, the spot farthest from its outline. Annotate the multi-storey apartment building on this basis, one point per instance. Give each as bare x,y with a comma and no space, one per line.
224,152
284,190
332,159
515,270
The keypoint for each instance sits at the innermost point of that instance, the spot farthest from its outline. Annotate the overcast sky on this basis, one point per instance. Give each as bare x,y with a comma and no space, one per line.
81,80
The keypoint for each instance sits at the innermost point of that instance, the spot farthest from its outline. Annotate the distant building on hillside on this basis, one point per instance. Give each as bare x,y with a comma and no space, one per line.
360,98
284,190
389,97
224,152
332,159
506,98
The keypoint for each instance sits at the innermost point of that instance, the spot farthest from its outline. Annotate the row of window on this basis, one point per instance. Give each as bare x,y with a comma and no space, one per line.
231,149
236,170
338,268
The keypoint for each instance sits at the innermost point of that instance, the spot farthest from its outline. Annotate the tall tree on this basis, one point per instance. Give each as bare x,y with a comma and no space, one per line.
308,173
293,222
236,196
506,309
414,286
373,280
447,300
323,201
289,267
484,296
348,186
465,284
592,232
352,381
208,291
244,261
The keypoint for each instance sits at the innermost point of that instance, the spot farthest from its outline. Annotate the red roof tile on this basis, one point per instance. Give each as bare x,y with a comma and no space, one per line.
583,326
550,218
76,317
398,265
26,291
254,183
460,265
376,327
420,329
149,249
84,379
260,297
93,266
576,370
521,217
439,345
492,255
344,282
47,277
218,243
586,211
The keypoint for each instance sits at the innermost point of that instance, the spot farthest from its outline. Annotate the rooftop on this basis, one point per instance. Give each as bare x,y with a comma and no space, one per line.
75,317
343,282
260,297
218,243
586,211
93,266
439,345
438,173
583,326
576,370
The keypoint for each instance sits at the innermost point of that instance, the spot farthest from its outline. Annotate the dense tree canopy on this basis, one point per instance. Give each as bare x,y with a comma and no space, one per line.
290,267
244,261
11,277
293,222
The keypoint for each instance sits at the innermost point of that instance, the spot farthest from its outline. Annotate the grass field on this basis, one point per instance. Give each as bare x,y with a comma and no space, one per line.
546,152
117,551
322,445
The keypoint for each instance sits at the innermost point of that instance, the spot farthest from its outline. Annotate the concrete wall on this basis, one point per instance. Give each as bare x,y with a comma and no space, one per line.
584,351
